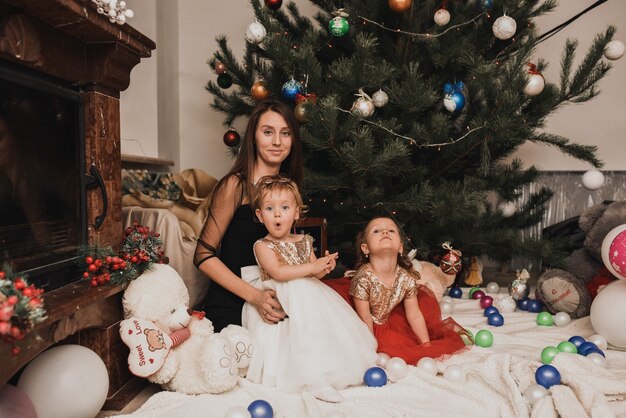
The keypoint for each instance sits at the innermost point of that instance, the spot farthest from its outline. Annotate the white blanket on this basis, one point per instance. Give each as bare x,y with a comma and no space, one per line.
496,379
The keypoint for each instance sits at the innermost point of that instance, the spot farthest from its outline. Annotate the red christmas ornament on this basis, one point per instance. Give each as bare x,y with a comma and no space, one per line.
231,138
220,67
273,4
451,262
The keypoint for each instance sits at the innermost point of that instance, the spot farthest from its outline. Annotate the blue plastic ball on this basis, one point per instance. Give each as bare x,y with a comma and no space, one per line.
547,376
260,409
577,340
495,320
522,305
455,292
375,377
490,310
588,347
535,305
291,88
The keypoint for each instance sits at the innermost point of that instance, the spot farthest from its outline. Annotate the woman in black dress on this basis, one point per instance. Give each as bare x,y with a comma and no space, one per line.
270,146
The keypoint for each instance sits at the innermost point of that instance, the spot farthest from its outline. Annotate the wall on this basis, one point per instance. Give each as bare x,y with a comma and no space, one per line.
190,132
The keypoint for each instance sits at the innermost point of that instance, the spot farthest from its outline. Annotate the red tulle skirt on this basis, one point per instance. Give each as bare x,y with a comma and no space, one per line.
396,338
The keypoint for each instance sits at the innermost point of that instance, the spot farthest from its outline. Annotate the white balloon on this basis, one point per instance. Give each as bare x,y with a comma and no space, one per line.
561,319
66,381
599,340
597,358
446,307
614,50
454,373
238,412
493,287
428,364
534,392
608,311
382,359
396,369
593,179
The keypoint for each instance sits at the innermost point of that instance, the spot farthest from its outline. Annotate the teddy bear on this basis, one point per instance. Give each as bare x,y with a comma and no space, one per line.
176,347
432,276
572,288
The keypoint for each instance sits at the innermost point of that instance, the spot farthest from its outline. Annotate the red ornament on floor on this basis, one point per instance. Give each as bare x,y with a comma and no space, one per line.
273,4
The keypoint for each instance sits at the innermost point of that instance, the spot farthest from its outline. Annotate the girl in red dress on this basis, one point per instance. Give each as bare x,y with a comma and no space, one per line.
385,290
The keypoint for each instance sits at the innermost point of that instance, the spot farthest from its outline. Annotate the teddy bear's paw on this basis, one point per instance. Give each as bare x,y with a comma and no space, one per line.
241,343
218,364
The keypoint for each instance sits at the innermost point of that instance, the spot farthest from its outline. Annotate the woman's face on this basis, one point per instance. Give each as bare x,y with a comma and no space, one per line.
382,235
273,139
7,145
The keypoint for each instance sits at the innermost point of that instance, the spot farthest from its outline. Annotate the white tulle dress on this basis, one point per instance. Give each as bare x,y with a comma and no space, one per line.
322,343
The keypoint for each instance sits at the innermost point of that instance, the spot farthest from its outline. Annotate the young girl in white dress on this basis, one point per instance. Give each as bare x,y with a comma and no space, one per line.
322,345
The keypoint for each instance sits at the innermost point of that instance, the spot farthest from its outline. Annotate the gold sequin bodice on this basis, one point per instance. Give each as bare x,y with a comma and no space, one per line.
366,286
289,253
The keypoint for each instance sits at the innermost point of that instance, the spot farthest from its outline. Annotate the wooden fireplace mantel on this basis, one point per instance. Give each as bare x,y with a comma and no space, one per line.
68,41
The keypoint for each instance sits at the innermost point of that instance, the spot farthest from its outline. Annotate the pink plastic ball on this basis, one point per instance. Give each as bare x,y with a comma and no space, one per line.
486,301
479,294
613,251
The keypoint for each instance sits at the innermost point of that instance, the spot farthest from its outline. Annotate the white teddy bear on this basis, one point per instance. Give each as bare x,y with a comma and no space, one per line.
175,347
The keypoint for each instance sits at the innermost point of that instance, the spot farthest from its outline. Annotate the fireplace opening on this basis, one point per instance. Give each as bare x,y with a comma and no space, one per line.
42,187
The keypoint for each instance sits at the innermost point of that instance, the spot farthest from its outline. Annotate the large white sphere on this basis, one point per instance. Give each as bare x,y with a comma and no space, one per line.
396,369
593,179
66,381
613,251
534,392
504,27
614,50
608,313
382,359
442,17
454,373
428,364
534,85
561,319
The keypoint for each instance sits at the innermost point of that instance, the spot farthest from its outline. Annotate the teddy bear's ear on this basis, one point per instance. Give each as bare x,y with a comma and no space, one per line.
589,217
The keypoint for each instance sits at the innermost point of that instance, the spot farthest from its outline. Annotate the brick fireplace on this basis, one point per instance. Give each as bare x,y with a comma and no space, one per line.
67,40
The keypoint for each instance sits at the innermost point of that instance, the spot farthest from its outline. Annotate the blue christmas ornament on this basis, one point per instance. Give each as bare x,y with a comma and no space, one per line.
588,347
455,292
577,340
291,88
485,4
375,377
454,102
535,305
458,86
522,305
448,88
260,409
547,376
495,320
490,310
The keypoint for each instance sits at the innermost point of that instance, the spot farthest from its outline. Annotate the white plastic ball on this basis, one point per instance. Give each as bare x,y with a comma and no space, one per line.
382,359
504,27
505,303
66,381
535,392
507,209
614,50
255,33
608,311
493,287
534,85
446,307
428,364
380,98
561,319
238,412
598,340
442,17
613,251
396,369
454,373
593,179
597,358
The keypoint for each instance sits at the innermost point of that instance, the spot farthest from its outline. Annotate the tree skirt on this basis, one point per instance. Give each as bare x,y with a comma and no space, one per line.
496,379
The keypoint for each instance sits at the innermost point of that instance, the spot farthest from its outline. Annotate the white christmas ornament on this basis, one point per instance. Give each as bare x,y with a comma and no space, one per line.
598,340
442,17
255,33
534,392
380,98
428,364
507,209
614,50
593,180
597,358
446,307
561,319
396,369
454,373
382,359
363,107
493,287
505,303
504,27
116,11
534,85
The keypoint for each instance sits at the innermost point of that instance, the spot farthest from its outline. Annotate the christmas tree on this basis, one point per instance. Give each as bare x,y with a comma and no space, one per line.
412,109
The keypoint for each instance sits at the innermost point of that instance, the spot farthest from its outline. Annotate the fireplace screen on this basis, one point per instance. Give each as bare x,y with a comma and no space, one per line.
41,185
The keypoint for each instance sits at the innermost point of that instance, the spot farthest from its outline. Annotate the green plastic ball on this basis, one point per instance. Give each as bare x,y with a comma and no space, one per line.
567,347
545,319
338,26
548,353
484,338
472,290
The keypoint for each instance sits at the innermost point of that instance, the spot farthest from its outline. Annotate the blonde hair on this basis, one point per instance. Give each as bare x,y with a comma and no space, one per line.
268,184
361,238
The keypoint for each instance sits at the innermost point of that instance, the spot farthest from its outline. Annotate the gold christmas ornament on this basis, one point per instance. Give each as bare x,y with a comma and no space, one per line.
400,6
259,91
302,111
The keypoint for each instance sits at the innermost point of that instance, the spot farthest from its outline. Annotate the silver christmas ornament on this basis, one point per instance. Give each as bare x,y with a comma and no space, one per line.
504,27
614,50
442,17
519,289
255,33
380,98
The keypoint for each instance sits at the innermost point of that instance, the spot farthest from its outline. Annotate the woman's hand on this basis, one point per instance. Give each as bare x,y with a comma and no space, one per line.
268,306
